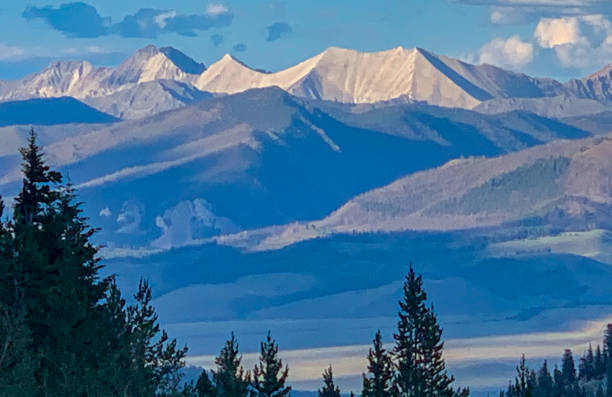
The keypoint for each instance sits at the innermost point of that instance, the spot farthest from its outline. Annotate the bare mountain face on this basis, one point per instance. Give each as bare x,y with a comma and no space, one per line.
597,86
564,185
339,75
265,157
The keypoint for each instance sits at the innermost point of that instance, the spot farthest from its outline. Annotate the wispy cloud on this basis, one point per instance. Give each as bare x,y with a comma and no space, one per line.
278,30
8,52
215,9
80,19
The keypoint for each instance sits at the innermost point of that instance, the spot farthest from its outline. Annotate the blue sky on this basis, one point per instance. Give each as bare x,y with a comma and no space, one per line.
557,38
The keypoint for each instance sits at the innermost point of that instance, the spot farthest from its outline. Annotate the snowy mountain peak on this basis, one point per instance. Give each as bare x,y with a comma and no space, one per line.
151,63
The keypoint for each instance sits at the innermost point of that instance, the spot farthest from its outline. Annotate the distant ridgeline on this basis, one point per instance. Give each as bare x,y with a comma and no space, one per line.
590,380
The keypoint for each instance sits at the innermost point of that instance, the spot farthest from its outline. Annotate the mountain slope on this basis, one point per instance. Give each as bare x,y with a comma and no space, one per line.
147,99
597,86
264,157
50,111
559,185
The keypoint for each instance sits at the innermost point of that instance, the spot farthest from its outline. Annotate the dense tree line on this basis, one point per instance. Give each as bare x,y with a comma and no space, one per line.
590,379
66,331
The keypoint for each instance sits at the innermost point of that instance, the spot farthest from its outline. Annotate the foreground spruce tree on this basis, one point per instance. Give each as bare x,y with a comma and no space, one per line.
420,368
229,378
269,376
329,388
378,381
63,330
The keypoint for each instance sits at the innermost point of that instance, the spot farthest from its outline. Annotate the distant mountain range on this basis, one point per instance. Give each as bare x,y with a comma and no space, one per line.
295,200
337,75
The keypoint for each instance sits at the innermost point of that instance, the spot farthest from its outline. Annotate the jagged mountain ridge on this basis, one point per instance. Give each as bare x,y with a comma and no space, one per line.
80,79
336,74
354,77
597,86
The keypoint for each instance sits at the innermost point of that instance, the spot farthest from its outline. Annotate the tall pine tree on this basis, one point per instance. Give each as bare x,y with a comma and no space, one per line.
230,378
269,376
329,388
420,368
378,382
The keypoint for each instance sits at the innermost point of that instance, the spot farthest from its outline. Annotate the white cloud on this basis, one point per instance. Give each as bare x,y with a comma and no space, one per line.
553,32
511,52
8,52
578,42
106,212
162,19
216,9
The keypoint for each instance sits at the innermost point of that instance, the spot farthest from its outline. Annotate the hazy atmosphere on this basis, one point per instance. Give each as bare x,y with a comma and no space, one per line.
331,183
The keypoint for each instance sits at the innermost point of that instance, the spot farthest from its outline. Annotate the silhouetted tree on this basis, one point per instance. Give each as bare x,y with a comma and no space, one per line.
329,388
269,376
229,377
378,382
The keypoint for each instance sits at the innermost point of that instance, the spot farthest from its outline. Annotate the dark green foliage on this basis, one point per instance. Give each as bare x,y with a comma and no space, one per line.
156,361
524,383
204,387
599,366
329,388
269,376
544,382
63,330
420,367
229,377
378,382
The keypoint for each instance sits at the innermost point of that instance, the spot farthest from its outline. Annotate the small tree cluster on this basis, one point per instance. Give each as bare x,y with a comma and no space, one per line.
229,379
594,368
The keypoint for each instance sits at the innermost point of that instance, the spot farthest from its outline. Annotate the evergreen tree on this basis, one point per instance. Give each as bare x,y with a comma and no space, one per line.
544,382
524,383
599,367
589,363
420,368
609,378
63,330
378,381
156,361
558,382
229,378
56,267
329,388
269,376
568,369
204,387
17,366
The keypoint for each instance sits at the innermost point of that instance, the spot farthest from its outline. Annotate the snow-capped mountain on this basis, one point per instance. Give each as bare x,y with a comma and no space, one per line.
81,80
338,75
354,77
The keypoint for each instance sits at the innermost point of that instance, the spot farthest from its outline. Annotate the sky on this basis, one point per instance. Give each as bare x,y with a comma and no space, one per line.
562,39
